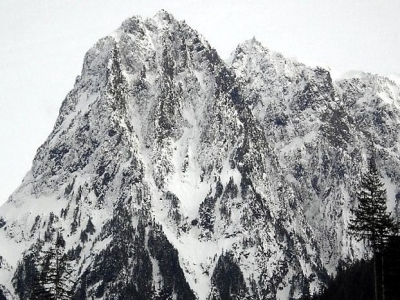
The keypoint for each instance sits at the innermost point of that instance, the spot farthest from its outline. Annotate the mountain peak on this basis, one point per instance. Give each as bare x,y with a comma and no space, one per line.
170,176
164,17
251,45
253,42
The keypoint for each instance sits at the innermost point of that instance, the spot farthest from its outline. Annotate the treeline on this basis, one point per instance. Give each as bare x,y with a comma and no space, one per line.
371,223
356,282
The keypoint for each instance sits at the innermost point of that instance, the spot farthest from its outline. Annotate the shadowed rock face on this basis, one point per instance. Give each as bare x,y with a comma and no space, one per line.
174,175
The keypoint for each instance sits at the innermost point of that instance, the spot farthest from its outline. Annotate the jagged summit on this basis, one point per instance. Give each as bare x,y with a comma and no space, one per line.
165,16
173,174
252,45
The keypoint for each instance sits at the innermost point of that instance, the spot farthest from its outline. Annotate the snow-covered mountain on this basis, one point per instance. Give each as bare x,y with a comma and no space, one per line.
175,175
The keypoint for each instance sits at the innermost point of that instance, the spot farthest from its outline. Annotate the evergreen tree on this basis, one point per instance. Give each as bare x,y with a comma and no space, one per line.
392,268
371,222
54,279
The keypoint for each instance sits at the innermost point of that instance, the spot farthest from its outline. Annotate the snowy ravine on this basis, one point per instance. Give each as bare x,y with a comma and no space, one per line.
175,175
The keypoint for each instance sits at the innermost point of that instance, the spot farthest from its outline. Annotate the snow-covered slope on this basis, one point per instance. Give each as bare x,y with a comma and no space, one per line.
322,132
174,175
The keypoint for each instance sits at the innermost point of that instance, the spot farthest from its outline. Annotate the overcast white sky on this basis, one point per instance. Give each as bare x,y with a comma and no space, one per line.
42,44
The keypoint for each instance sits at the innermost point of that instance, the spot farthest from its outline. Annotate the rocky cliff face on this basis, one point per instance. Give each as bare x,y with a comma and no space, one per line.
174,175
322,131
